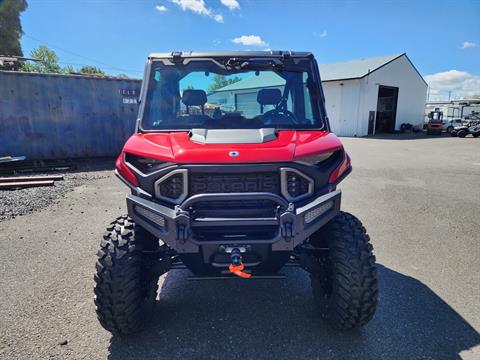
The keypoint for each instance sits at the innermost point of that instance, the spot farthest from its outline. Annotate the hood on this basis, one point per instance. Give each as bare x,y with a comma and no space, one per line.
178,147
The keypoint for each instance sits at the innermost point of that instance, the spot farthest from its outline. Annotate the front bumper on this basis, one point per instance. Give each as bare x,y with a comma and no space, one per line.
177,226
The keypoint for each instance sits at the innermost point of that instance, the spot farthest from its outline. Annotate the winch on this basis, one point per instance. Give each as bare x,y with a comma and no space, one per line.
236,267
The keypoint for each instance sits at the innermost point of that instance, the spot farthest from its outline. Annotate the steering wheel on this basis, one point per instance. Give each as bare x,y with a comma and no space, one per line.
279,115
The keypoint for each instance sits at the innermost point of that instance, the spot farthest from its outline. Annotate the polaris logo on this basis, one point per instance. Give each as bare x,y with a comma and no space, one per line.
227,183
233,153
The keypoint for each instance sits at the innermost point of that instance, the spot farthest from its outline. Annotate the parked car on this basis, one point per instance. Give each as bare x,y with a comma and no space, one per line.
449,125
472,128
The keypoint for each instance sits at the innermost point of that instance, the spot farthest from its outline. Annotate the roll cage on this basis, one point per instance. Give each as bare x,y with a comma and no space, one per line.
274,60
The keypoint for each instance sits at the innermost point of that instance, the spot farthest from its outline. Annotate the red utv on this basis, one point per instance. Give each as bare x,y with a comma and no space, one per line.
233,172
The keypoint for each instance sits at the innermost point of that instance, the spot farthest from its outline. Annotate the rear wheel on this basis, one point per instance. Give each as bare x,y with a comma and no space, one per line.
126,280
345,285
449,129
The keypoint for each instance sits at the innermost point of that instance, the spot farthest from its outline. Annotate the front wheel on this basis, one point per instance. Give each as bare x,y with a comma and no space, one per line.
462,133
126,281
345,285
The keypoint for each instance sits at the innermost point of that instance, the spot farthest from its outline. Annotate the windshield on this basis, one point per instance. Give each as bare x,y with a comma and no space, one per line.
205,94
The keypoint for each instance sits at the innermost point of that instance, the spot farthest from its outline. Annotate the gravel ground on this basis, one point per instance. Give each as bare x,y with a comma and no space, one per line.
419,200
24,201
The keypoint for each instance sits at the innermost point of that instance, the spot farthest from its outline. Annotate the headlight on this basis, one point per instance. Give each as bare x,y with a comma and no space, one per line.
315,159
144,164
173,187
295,184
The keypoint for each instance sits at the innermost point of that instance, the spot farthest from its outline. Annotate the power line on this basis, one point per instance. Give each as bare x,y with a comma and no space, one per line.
80,56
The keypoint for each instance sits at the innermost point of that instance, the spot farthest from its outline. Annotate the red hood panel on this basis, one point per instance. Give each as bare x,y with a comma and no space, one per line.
177,147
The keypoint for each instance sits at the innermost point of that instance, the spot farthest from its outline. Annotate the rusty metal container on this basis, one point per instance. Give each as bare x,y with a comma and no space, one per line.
50,116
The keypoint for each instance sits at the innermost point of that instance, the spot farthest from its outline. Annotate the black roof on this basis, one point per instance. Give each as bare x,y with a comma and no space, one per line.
230,54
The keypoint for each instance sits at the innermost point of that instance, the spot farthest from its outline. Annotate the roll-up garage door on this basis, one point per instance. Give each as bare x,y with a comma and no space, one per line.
247,104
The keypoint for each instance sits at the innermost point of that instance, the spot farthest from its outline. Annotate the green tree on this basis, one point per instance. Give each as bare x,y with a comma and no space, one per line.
47,61
11,27
68,69
220,81
92,70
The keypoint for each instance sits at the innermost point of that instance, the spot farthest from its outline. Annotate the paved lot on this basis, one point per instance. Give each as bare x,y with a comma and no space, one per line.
419,199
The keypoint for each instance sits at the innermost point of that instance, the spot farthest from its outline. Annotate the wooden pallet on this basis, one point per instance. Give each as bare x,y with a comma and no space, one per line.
25,184
19,182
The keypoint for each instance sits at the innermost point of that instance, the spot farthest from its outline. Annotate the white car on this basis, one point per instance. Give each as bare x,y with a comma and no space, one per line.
449,125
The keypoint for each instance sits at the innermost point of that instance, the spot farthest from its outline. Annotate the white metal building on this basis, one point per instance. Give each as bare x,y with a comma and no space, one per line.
362,97
373,95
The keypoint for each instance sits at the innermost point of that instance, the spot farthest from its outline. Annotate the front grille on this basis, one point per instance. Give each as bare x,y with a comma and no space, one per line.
229,183
235,208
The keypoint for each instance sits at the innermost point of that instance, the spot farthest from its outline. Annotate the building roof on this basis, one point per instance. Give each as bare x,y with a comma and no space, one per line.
353,69
264,79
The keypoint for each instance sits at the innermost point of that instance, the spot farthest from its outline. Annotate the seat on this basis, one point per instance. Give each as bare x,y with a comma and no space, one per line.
279,115
193,97
269,97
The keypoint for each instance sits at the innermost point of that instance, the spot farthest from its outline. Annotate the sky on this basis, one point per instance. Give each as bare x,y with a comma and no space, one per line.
442,38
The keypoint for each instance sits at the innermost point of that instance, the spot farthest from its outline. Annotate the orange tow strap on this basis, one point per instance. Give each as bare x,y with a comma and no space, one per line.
238,270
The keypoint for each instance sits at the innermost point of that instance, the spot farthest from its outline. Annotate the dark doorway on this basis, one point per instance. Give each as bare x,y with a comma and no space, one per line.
371,122
386,109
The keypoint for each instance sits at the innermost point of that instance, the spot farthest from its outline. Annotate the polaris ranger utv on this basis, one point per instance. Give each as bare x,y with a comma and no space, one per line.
233,172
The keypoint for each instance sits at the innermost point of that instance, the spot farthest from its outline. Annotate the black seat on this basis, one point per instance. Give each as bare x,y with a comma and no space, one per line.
192,97
269,97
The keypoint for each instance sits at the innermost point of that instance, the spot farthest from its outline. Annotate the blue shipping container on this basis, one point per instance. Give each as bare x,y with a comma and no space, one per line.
50,116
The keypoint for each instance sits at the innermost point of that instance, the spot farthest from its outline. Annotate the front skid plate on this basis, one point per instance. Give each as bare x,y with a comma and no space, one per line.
234,277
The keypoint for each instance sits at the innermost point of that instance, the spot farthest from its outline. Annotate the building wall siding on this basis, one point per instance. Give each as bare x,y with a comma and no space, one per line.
342,100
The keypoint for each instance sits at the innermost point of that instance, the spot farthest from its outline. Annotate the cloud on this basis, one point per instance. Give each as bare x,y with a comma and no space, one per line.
161,8
218,18
468,45
322,34
460,83
231,4
198,7
250,40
